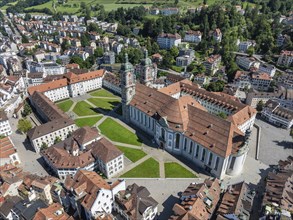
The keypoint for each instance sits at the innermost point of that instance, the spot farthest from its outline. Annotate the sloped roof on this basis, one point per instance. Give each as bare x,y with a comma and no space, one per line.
6,147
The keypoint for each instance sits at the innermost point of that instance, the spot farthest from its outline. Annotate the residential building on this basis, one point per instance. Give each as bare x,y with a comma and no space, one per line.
109,57
236,203
212,64
154,11
169,11
286,80
261,81
217,35
266,68
55,212
247,62
198,201
242,80
187,52
183,60
286,58
8,153
48,68
254,97
166,41
135,203
193,36
278,115
42,189
11,177
5,128
7,206
244,45
171,116
277,199
84,149
90,195
201,79
26,209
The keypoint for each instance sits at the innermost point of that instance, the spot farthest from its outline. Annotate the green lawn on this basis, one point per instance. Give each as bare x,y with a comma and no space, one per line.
118,133
147,169
104,104
81,122
131,153
175,170
65,105
83,109
103,93
73,6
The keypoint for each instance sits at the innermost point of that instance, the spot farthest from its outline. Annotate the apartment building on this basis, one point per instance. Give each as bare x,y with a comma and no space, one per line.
278,115
89,195
166,41
5,128
285,58
193,36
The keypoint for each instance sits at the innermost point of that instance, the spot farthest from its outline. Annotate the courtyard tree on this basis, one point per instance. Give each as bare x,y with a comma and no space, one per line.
24,125
260,106
26,109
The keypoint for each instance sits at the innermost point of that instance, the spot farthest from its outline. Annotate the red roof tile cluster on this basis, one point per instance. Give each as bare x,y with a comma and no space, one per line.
70,78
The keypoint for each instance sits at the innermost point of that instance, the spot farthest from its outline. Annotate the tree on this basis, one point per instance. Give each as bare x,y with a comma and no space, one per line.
217,86
57,140
26,109
176,2
93,27
24,125
98,52
250,51
174,51
260,106
291,133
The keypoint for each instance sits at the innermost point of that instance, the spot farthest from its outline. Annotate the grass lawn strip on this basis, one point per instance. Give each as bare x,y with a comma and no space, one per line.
175,170
118,133
83,109
104,104
103,93
65,105
147,169
91,121
132,154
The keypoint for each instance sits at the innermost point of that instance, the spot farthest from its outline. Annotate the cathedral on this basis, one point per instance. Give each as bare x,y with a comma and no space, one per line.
183,119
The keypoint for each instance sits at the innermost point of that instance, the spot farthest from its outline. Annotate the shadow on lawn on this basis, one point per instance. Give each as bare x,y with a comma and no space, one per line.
105,110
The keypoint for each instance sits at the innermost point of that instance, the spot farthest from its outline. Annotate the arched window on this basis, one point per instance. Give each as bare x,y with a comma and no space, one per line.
177,141
210,159
185,144
163,134
190,147
203,155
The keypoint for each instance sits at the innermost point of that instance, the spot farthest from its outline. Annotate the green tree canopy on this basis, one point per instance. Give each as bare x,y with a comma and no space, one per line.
24,125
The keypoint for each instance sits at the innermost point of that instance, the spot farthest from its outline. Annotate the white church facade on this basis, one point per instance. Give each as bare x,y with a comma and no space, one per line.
182,119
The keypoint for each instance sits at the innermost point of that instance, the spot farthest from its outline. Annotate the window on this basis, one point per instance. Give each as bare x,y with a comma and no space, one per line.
190,147
232,163
177,141
203,155
163,134
210,159
185,144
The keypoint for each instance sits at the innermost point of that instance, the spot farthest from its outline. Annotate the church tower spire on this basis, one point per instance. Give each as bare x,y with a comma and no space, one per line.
127,87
